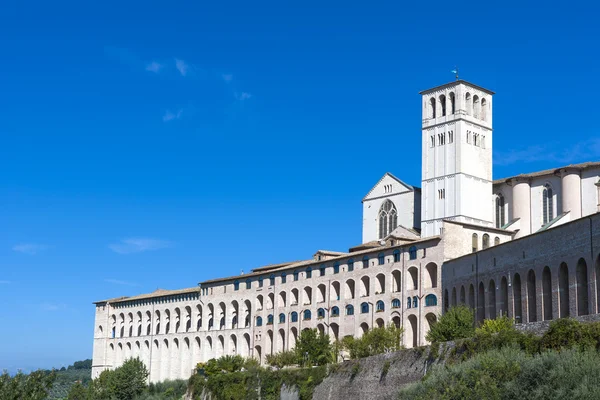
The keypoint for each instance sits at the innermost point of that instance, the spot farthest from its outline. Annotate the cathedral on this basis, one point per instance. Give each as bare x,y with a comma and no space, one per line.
526,246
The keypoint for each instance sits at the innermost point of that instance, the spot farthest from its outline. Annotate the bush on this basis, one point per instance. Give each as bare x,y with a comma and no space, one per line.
456,323
491,326
375,341
34,386
313,348
283,359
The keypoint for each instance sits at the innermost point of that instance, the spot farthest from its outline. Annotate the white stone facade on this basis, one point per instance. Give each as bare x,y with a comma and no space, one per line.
415,241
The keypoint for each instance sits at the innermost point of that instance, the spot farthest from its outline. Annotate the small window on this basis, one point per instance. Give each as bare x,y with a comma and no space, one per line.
336,268
322,270
308,273
396,303
474,242
295,275
272,280
350,265
283,277
381,258
365,262
364,308
415,301
496,241
335,312
236,285
408,302
258,321
321,313
412,252
294,316
380,306
430,300
307,315
248,284
282,318
349,309
396,255
260,282
270,319
486,241
432,141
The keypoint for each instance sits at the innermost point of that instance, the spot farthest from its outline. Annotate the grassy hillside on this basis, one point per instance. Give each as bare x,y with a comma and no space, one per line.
80,371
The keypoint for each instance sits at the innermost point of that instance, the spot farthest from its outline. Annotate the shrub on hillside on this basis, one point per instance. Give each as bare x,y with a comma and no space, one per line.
375,341
456,323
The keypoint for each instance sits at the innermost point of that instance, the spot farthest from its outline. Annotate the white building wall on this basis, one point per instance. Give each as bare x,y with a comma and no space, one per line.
590,199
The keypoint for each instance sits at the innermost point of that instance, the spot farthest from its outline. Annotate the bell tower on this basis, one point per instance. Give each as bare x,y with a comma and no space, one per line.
456,156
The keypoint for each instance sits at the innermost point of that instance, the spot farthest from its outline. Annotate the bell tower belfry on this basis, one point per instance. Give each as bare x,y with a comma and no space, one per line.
456,156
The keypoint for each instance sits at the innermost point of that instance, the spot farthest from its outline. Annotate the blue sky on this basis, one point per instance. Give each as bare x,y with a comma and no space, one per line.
149,145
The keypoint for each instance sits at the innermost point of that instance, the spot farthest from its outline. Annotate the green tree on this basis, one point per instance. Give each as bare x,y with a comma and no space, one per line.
375,341
313,348
456,323
282,359
129,380
34,386
78,392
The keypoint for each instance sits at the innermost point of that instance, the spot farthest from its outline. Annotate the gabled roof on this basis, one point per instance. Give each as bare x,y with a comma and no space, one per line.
387,174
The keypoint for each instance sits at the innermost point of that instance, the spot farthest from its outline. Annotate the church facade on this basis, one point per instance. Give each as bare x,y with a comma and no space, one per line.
420,253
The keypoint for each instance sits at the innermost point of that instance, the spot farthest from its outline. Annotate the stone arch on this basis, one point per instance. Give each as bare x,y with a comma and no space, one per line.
175,361
379,323
321,329
581,288
270,301
259,302
211,315
563,290
364,328
222,315
177,319
517,299
198,317
167,321
258,353
412,338
462,295
503,296
531,297
547,293
281,341
321,291
269,346
446,300
247,315
431,319
396,281
295,297
155,365
233,345
293,338
282,298
164,360
188,318
431,277
235,312
220,351
349,290
365,286
492,299
245,350
334,292
453,299
208,348
480,303
413,272
306,297
380,282
396,321
471,296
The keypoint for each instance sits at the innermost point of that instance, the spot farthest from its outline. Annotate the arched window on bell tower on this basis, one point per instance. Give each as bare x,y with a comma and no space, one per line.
547,204
443,105
468,103
432,105
500,211
452,103
388,219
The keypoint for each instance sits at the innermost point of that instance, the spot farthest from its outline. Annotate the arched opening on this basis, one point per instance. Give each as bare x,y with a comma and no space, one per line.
547,204
282,298
259,302
474,242
547,293
468,103
531,297
412,338
443,105
258,353
364,328
432,110
379,323
517,299
452,102
582,288
220,347
281,341
503,296
388,219
208,348
321,329
307,295
293,338
486,241
349,295
483,109
164,361
431,319
453,301
271,301
247,315
563,290
335,331
414,277
476,106
462,295
396,321
471,296
295,296
446,300
245,351
396,281
431,276
334,292
380,282
321,293
365,286
481,303
492,299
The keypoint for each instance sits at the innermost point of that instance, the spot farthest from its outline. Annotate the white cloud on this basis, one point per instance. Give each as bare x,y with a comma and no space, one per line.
585,150
169,115
242,96
138,245
30,248
119,282
182,67
154,67
227,77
